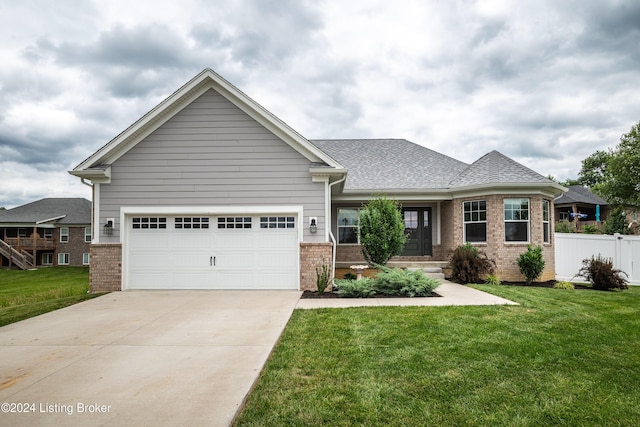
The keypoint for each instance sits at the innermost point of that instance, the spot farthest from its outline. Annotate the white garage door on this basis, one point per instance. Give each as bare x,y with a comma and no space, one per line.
212,252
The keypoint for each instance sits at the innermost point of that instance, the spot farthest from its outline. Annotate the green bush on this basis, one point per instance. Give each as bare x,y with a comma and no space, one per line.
362,288
590,229
396,281
563,285
617,223
382,231
564,227
323,277
469,265
491,279
531,263
602,275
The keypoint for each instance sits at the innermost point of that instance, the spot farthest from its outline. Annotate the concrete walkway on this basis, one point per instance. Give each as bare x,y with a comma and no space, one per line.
451,294
154,358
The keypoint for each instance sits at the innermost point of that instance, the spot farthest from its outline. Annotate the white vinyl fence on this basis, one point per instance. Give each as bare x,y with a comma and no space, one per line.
572,248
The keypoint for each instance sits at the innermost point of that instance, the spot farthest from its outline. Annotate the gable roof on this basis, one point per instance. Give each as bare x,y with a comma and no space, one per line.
580,194
391,164
50,210
496,168
97,166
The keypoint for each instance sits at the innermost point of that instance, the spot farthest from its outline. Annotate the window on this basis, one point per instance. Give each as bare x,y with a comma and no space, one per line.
47,258
475,221
145,223
85,259
63,259
87,234
277,222
48,233
516,220
192,223
545,222
234,222
348,226
22,232
64,234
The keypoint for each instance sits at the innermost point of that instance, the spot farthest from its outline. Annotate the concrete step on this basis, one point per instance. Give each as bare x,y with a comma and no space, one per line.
433,272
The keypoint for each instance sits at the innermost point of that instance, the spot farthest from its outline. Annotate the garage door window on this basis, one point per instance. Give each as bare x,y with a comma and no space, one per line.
277,222
191,222
149,223
234,222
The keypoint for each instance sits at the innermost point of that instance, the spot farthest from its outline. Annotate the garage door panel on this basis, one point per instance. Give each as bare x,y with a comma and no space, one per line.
223,256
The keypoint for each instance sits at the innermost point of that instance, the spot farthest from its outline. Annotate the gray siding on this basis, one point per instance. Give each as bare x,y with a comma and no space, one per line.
212,154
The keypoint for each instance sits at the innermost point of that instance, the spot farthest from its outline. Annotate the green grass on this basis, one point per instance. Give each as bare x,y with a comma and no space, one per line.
28,293
562,357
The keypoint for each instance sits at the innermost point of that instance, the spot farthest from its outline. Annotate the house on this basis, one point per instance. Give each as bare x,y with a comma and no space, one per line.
209,190
47,232
579,203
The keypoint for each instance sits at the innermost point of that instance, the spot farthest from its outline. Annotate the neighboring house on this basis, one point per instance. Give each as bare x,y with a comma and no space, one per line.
581,204
210,190
47,232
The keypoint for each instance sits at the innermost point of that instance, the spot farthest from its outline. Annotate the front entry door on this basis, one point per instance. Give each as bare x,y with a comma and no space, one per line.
417,225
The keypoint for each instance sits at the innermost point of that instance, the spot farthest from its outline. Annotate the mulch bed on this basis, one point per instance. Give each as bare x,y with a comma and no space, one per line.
316,295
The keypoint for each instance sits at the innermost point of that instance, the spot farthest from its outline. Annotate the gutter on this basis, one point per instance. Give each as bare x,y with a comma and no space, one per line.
331,236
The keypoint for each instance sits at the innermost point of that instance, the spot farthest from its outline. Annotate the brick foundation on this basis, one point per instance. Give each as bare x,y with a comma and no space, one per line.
105,272
312,256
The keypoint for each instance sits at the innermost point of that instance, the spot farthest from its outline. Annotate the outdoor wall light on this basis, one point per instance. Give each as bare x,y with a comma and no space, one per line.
313,225
108,227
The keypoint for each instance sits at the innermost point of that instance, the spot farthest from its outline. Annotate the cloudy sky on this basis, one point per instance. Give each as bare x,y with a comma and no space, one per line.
544,82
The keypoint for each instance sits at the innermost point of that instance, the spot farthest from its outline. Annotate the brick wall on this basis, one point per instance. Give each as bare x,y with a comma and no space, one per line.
105,273
506,254
75,247
312,256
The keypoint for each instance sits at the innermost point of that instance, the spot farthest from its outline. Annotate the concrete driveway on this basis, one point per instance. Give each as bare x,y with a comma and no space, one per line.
140,358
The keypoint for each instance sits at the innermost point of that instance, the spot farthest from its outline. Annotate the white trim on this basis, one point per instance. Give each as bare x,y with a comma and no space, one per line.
50,219
127,211
95,237
528,221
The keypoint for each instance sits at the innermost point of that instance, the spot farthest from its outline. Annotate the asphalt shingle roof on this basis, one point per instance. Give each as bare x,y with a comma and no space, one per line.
383,164
580,194
75,211
496,168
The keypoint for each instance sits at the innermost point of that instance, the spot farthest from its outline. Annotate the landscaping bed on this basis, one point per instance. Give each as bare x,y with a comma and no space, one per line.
330,295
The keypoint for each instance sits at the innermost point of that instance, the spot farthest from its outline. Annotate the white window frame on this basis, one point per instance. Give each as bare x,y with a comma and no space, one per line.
471,220
64,234
87,234
49,260
546,222
357,225
519,220
85,258
63,258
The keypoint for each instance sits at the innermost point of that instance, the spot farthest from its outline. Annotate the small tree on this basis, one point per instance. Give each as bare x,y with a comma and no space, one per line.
531,263
382,233
617,223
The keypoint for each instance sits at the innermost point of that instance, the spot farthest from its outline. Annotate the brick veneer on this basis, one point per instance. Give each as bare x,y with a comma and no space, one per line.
105,272
75,247
505,254
312,256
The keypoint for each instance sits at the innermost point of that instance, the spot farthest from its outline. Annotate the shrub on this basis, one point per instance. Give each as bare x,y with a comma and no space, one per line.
531,263
491,279
590,229
468,264
563,285
382,232
350,276
600,272
323,277
362,288
396,281
564,227
617,223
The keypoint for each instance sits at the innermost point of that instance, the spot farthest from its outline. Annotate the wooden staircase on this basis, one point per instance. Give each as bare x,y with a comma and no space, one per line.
23,260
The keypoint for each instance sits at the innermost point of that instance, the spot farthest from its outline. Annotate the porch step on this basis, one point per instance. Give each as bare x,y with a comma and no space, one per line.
434,273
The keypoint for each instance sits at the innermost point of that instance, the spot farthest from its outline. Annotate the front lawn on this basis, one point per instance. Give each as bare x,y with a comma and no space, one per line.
28,293
563,357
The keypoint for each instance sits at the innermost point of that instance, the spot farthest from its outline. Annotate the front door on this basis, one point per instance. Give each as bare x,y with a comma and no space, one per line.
417,226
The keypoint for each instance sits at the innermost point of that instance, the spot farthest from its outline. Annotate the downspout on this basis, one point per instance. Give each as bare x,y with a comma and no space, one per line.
329,226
